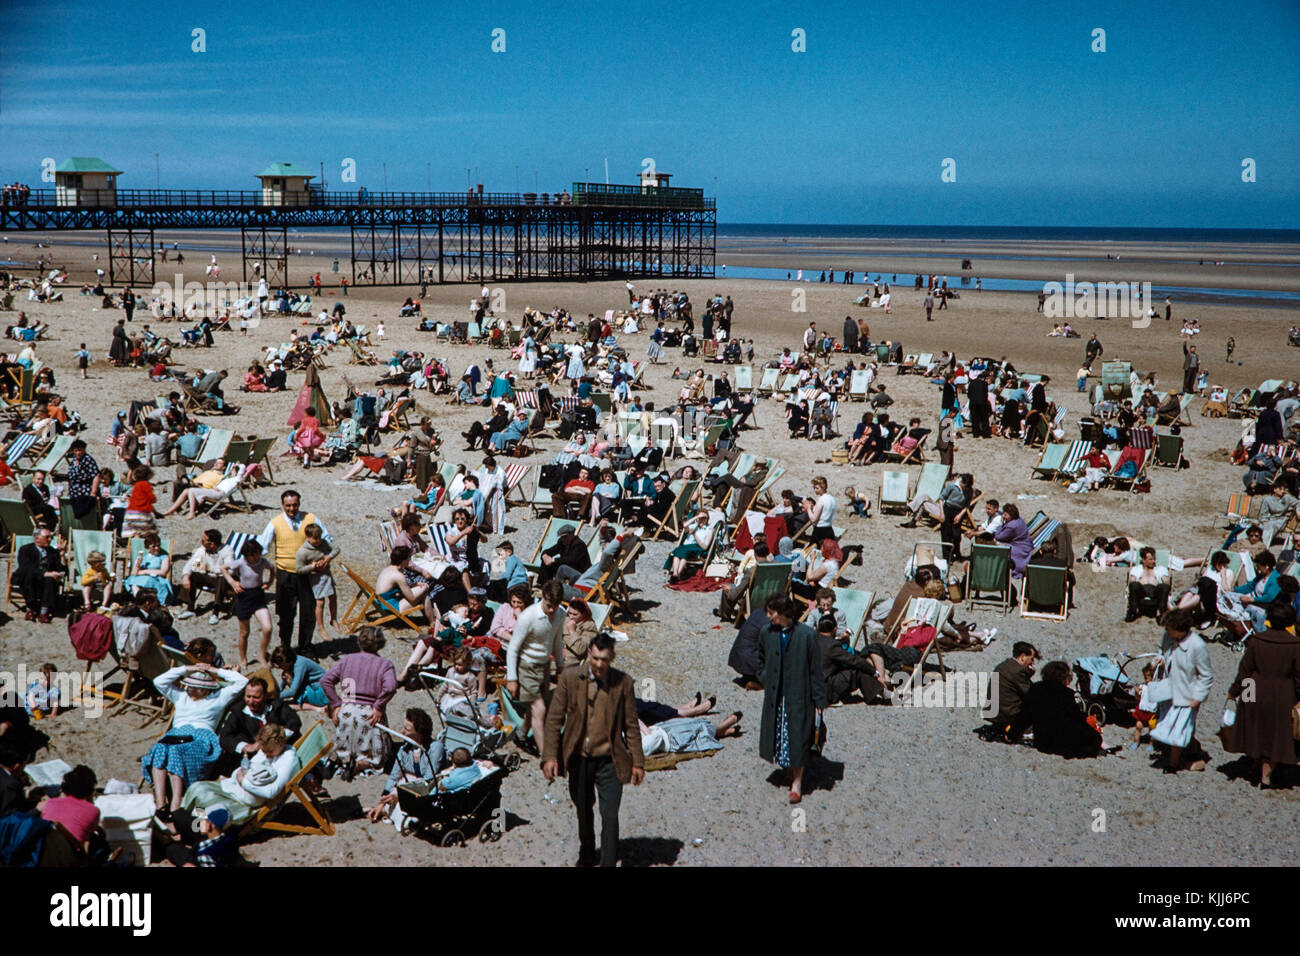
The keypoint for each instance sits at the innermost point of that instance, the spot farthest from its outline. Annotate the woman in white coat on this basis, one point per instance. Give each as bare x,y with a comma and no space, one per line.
1187,661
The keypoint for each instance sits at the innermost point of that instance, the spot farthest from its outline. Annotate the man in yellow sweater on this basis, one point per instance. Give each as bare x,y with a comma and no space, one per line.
283,536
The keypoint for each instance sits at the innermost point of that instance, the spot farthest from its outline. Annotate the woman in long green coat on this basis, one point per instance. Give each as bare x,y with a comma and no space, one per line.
794,692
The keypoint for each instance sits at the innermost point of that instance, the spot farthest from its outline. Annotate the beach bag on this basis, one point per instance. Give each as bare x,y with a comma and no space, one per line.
1156,692
90,634
1175,727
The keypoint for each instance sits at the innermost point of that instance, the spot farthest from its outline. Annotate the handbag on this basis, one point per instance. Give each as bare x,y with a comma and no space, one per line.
819,737
1156,692
1295,722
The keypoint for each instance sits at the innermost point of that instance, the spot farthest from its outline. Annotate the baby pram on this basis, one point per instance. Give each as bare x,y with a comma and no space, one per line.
457,814
1104,689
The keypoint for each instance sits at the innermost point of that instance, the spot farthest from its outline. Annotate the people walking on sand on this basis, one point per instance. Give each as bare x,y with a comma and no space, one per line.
794,692
593,738
929,307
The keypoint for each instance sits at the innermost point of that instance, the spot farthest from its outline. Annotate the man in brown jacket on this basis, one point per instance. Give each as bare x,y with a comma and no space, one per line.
599,747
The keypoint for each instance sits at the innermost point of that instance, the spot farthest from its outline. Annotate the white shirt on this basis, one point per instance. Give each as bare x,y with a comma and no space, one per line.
827,516
536,639
206,711
253,794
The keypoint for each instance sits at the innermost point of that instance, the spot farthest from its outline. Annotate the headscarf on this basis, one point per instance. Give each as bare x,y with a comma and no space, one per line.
786,547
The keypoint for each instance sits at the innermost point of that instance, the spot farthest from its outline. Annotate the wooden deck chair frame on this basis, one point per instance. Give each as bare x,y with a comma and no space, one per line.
941,619
1169,450
1050,461
1045,571
672,522
54,455
80,543
264,816
148,665
770,577
370,602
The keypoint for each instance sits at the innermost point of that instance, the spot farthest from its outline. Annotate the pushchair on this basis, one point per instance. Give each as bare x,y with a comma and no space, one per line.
1104,689
459,731
457,814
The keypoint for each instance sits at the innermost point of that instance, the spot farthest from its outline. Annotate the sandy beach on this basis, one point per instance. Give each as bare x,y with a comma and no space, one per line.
900,785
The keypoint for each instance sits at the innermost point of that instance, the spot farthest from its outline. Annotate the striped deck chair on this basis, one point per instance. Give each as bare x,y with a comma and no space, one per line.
436,535
566,403
235,543
1142,437
1241,507
514,486
19,447
1073,459
1043,532
387,535
526,398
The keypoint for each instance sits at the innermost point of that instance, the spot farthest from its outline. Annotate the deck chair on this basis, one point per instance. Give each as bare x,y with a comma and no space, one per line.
1169,451
932,479
907,365
1129,484
367,602
237,452
770,577
138,694
80,544
613,588
550,536
53,456
1045,587
1241,507
672,523
15,517
767,385
135,549
893,491
310,749
923,611
858,385
215,444
744,378
1049,462
17,541
230,495
856,606
988,580
18,448
1073,459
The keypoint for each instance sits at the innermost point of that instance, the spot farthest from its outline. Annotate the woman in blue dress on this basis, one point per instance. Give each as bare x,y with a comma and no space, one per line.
152,569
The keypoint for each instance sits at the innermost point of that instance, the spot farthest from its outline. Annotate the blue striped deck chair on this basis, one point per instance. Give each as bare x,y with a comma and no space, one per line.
19,447
236,542
1073,459
1034,523
437,537
387,535
1044,532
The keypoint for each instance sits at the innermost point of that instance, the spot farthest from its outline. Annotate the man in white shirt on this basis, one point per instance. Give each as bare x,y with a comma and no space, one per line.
810,337
992,520
204,570
537,639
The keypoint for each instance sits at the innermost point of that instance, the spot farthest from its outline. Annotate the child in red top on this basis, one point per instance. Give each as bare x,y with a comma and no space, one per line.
139,516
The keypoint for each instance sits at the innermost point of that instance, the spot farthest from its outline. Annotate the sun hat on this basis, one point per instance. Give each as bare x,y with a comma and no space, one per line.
202,680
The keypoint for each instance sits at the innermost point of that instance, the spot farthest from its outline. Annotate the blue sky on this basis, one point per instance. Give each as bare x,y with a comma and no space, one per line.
1044,131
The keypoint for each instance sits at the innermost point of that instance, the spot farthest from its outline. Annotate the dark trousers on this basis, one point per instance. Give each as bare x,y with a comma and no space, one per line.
40,593
592,780
949,533
293,596
1189,380
199,581
979,421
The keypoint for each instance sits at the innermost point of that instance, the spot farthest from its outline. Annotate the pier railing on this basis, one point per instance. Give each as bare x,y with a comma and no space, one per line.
361,198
